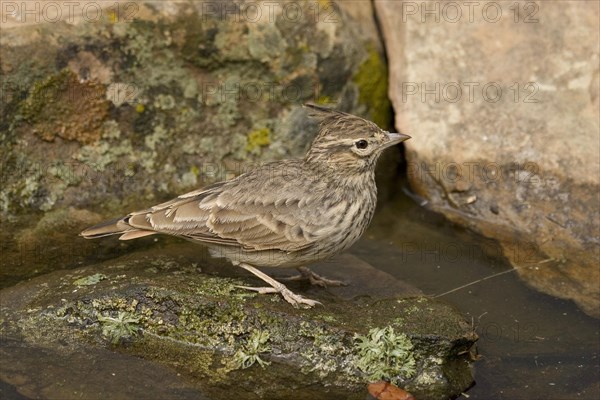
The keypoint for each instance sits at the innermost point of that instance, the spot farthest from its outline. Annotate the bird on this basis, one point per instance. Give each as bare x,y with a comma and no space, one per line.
286,213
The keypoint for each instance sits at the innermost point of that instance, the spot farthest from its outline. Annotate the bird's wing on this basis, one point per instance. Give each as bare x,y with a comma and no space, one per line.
255,214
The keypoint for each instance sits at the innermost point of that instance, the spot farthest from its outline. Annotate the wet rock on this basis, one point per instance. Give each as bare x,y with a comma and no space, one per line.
222,340
502,102
41,243
117,106
70,372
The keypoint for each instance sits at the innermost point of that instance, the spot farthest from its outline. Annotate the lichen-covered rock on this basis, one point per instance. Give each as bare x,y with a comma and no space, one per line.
502,101
121,106
224,340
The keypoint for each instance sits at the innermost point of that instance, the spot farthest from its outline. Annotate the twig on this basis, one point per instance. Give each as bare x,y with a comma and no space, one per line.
492,276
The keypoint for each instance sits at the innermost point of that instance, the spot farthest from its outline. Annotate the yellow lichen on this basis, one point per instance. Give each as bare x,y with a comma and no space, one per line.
257,139
324,100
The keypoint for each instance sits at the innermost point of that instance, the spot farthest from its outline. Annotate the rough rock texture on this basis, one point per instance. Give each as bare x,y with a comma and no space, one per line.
119,107
502,101
217,337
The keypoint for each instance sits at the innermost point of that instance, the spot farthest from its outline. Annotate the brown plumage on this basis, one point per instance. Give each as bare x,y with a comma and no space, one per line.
283,214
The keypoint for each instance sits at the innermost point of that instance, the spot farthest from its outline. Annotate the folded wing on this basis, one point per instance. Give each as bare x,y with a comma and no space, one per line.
226,214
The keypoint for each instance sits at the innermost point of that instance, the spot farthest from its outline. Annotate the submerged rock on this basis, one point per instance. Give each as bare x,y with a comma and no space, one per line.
502,102
222,340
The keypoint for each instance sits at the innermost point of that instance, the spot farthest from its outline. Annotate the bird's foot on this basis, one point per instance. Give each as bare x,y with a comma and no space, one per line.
277,287
307,275
294,299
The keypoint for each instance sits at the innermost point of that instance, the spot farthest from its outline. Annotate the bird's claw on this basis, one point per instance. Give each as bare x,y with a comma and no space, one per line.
294,299
315,279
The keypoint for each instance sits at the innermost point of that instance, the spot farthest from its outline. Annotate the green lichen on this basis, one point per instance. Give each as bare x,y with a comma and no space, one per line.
104,153
111,130
257,139
89,280
250,352
164,102
372,82
218,287
123,326
202,323
30,185
383,354
327,352
159,134
265,42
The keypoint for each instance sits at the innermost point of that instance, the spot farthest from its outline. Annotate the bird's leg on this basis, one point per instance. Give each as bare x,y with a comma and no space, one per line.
313,278
276,287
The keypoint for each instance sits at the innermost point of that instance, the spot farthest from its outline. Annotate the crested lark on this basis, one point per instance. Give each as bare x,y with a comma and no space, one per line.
283,214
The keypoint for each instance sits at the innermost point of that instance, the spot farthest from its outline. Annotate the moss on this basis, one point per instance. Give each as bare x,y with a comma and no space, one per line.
257,139
43,92
372,82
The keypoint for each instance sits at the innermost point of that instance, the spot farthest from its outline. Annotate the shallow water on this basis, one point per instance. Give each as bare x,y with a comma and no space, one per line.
532,346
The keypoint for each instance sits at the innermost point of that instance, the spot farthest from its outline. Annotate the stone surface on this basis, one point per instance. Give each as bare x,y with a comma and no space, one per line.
502,101
123,106
158,311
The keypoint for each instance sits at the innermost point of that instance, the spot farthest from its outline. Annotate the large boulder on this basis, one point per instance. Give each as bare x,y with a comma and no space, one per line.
502,101
117,105
164,309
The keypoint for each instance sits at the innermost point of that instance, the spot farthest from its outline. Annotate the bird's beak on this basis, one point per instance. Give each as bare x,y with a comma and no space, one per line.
395,138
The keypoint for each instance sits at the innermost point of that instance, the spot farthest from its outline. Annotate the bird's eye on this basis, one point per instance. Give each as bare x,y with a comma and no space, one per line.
361,144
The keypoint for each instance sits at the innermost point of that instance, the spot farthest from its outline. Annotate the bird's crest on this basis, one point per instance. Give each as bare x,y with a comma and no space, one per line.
331,120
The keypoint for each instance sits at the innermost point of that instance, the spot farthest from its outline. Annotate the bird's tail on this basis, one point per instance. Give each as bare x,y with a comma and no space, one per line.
118,226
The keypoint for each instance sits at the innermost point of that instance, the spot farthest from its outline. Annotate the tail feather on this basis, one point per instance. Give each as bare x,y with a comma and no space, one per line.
107,228
134,234
118,226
